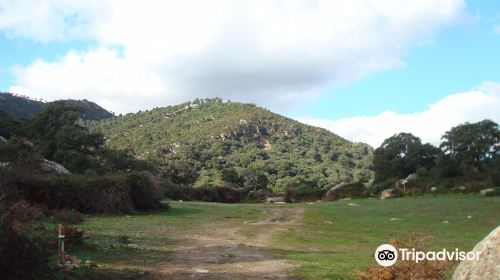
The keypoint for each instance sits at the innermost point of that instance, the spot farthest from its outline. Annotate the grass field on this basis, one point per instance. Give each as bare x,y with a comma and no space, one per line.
328,240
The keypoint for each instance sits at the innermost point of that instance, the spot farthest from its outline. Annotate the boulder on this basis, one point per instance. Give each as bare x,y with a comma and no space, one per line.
2,139
388,193
488,265
489,192
275,199
411,177
345,190
54,167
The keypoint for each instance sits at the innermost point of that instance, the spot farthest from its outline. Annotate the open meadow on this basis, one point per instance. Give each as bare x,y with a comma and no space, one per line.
321,240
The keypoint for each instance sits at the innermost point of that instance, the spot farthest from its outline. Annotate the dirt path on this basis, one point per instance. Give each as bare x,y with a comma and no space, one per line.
222,252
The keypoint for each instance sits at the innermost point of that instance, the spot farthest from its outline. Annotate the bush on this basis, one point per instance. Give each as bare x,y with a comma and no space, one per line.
409,269
142,192
379,187
25,251
302,193
67,216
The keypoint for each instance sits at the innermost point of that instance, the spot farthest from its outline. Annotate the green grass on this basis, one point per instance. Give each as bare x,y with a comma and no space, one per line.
150,235
333,241
337,241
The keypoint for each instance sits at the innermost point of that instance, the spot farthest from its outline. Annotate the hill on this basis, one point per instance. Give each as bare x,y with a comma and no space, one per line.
23,107
214,143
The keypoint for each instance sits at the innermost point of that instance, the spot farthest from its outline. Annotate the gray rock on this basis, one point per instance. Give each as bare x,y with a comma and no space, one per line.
345,190
51,166
275,199
488,192
2,139
488,265
411,177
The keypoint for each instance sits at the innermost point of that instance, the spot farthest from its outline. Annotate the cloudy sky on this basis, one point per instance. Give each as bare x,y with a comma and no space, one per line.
365,69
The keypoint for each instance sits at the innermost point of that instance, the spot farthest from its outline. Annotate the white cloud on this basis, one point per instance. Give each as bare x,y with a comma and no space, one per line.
429,125
256,51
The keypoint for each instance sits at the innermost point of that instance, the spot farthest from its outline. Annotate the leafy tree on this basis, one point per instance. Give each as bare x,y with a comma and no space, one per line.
402,154
472,144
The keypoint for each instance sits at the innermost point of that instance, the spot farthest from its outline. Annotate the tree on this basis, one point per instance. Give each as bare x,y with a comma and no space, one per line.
60,137
472,144
402,154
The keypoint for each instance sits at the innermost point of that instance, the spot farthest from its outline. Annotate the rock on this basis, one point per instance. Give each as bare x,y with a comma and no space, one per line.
91,264
411,177
345,190
388,193
275,199
2,139
434,189
446,222
51,166
489,192
488,265
28,143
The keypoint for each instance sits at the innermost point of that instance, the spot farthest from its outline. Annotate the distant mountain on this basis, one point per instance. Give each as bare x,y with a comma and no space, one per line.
23,107
211,142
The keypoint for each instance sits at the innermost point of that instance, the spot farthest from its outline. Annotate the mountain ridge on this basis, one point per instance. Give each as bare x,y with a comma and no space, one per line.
23,107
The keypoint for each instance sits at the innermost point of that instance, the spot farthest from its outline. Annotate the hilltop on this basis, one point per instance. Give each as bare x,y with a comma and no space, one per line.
23,107
214,143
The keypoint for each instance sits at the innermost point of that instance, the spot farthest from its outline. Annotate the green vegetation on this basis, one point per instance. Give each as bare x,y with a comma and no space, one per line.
468,156
337,240
332,240
23,107
210,143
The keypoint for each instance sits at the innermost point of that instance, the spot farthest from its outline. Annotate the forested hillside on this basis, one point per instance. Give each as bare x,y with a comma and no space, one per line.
215,143
23,107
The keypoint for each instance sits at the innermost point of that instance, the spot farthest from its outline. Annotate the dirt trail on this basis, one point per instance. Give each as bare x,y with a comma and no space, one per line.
216,252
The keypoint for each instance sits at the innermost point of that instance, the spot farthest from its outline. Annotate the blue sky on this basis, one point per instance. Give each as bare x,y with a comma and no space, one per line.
458,58
336,64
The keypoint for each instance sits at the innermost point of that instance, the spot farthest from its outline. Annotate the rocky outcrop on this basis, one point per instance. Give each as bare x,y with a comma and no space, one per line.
388,193
411,177
490,192
344,190
53,167
276,199
488,265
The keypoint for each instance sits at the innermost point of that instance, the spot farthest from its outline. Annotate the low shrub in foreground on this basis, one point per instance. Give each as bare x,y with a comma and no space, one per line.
409,269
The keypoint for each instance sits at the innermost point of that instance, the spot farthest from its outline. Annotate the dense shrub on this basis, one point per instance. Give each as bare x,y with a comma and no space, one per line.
24,249
425,269
90,194
142,192
302,192
347,190
66,216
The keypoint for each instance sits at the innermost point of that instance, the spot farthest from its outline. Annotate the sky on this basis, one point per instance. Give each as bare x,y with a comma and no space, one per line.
364,69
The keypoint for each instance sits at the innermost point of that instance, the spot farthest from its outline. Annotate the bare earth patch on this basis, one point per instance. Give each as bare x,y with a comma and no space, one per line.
215,251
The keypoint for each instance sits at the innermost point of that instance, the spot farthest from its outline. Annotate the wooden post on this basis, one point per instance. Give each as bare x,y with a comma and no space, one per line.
60,244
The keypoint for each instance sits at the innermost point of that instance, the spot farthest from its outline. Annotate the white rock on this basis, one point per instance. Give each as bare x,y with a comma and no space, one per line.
488,265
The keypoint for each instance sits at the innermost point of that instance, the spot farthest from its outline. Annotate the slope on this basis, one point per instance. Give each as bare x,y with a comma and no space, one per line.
210,142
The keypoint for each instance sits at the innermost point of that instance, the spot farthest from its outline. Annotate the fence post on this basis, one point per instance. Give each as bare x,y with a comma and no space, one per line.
60,244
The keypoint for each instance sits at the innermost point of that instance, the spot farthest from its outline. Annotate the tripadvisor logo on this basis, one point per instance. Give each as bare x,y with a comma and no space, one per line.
387,255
